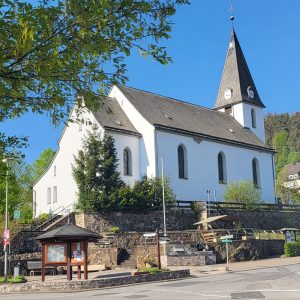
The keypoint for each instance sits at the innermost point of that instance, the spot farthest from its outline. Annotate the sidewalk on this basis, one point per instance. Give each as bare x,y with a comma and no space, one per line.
200,271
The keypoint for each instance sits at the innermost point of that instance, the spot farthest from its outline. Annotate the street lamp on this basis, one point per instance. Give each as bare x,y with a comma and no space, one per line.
6,161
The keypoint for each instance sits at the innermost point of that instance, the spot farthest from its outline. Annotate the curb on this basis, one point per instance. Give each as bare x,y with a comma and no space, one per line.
80,285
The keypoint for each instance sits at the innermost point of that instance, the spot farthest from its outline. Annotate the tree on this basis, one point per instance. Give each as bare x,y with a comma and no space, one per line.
52,51
27,175
95,172
283,193
243,192
98,180
280,143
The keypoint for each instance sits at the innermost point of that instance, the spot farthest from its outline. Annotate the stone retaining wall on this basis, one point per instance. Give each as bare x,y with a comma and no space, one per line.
249,250
177,220
199,259
55,286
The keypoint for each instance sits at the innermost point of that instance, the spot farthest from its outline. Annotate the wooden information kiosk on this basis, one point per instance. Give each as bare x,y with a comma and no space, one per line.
66,246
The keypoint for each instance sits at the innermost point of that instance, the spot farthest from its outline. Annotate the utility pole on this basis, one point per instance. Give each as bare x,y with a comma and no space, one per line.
6,224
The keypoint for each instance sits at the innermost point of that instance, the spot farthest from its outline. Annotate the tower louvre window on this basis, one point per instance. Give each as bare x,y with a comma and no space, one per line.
253,118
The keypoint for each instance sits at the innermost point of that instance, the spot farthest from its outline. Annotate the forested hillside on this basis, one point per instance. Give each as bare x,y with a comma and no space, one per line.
283,134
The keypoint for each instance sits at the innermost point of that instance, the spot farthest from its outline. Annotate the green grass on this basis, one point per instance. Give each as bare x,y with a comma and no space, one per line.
18,279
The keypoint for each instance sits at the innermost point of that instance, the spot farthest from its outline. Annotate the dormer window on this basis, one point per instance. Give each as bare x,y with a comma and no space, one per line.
250,92
228,94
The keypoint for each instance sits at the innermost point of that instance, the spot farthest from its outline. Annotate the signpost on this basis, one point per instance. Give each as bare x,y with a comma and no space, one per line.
227,239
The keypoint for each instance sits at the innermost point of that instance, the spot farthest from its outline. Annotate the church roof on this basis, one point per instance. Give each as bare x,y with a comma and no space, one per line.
111,117
292,169
237,78
174,115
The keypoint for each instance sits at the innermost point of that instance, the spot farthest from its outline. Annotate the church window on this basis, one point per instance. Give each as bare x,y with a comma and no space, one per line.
48,195
255,173
127,165
253,118
222,168
55,194
182,162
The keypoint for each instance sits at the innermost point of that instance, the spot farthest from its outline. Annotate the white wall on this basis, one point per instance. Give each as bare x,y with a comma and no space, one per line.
69,145
133,143
203,167
147,141
242,113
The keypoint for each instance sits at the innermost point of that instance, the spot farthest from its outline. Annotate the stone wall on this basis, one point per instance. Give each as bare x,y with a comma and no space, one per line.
176,219
80,285
267,220
97,255
249,250
198,259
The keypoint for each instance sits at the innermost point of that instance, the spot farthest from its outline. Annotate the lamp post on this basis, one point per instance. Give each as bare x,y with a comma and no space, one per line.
6,161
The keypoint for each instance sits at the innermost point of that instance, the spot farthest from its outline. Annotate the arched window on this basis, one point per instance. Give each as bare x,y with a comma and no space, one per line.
253,117
182,162
255,173
127,162
222,168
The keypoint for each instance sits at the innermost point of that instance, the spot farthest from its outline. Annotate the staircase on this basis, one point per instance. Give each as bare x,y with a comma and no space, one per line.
127,260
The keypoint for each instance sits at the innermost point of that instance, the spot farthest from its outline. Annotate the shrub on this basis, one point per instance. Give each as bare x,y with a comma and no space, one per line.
152,270
292,249
18,279
114,229
243,192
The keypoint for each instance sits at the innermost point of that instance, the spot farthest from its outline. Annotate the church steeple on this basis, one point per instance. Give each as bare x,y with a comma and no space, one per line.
237,85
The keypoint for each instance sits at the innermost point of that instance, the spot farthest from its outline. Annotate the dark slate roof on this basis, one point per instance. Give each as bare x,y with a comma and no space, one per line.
292,169
236,76
112,117
69,232
174,115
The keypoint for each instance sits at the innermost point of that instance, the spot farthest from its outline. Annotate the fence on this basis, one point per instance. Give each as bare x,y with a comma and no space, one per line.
216,206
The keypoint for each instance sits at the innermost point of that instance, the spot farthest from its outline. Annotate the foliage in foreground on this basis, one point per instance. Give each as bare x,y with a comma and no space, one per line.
18,279
243,192
52,51
292,249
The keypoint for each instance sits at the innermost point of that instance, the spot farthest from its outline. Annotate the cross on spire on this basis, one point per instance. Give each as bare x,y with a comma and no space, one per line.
231,11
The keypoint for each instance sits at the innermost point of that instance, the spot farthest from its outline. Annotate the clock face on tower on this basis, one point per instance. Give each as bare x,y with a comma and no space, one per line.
228,94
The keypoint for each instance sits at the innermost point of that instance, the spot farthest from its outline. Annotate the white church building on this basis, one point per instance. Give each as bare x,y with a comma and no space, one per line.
202,149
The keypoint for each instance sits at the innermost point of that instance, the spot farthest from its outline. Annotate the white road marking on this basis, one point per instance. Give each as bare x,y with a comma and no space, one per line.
191,293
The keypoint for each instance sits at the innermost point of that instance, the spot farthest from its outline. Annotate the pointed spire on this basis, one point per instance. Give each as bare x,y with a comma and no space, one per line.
237,84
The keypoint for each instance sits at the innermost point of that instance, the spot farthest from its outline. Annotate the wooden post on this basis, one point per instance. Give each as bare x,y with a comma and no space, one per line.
69,267
85,247
43,260
79,272
158,248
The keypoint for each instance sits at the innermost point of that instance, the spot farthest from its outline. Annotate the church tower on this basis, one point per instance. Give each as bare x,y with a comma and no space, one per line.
238,95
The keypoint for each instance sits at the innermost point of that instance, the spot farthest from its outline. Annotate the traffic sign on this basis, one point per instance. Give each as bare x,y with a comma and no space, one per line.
6,237
226,237
226,241
17,214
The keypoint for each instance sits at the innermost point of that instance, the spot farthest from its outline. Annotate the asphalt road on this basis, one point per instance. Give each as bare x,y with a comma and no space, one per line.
274,283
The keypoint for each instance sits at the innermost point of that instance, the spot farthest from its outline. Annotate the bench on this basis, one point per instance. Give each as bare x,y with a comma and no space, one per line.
36,267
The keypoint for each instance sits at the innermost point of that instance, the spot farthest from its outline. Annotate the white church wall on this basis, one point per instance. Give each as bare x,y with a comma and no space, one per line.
202,159
147,141
61,178
242,113
133,144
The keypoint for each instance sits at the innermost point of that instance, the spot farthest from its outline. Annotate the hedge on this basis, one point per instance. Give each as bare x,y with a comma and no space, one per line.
292,249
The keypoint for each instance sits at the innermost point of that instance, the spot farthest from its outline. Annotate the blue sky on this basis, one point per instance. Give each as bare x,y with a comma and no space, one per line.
269,34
